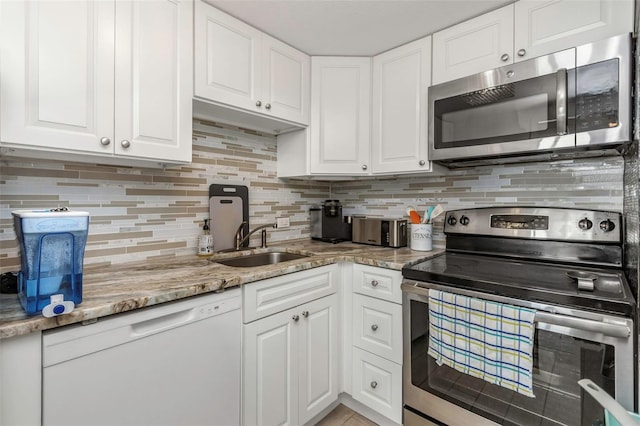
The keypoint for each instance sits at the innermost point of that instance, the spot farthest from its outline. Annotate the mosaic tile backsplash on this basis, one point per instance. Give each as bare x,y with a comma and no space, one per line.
140,213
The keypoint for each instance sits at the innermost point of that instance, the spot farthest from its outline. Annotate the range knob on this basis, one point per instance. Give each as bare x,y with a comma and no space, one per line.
607,225
585,224
452,220
464,221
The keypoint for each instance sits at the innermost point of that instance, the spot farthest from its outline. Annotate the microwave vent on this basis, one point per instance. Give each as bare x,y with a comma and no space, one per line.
489,95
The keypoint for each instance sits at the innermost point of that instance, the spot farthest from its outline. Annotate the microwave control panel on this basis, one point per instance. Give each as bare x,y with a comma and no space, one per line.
597,93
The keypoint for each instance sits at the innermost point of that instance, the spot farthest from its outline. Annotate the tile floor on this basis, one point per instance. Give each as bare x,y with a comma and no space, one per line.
344,416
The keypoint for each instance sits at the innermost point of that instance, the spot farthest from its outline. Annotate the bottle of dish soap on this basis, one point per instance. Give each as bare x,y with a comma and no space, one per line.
205,241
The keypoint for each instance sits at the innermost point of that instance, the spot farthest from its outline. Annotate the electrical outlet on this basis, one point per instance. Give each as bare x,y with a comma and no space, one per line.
282,222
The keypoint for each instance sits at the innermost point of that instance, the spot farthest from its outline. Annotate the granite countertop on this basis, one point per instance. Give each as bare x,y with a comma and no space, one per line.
125,287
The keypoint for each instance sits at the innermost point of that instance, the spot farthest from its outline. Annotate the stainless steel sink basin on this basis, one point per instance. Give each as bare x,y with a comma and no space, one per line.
261,259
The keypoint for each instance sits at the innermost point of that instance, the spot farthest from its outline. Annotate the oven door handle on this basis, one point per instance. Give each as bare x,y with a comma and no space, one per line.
594,326
608,329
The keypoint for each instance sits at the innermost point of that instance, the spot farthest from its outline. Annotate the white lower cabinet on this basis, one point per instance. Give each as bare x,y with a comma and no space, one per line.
377,383
291,358
376,367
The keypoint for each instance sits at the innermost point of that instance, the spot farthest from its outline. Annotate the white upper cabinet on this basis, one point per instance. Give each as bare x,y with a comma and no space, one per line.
115,83
543,27
525,30
242,68
479,44
400,80
340,115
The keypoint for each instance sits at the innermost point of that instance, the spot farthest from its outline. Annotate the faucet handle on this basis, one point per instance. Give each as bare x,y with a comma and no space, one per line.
263,235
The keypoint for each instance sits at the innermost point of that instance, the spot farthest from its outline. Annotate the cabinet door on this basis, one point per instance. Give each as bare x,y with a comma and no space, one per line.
473,46
227,59
285,81
340,113
400,80
57,74
154,85
543,27
318,382
270,370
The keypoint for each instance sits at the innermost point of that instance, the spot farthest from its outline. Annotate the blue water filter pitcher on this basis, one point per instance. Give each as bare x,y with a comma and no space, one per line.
52,246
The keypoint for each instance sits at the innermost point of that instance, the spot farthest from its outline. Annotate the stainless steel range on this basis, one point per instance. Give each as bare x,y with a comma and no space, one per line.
564,264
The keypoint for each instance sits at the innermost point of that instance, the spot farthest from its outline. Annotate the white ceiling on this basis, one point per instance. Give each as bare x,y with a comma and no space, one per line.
353,27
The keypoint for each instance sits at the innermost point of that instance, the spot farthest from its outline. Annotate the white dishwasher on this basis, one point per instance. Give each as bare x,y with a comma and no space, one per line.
172,364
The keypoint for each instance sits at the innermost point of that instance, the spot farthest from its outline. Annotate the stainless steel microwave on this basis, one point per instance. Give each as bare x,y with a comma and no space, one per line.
574,100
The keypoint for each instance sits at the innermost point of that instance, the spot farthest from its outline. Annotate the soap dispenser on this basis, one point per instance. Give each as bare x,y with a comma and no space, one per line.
205,241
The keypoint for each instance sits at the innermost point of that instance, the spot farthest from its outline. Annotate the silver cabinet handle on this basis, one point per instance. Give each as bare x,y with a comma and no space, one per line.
504,57
561,101
374,384
258,103
422,162
364,167
295,317
522,52
374,283
305,314
268,106
125,143
105,141
374,327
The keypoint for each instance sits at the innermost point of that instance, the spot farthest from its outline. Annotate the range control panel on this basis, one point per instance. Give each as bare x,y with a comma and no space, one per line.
550,223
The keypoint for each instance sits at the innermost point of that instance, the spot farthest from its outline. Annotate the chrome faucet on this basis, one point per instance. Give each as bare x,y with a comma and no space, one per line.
240,239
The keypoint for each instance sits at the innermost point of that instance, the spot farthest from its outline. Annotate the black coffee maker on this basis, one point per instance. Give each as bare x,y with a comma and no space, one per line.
328,224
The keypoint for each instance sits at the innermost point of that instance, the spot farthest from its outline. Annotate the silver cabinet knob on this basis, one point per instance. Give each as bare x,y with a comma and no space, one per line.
295,317
258,103
305,314
268,106
422,162
374,283
374,384
105,141
522,52
374,327
125,143
504,57
510,73
364,167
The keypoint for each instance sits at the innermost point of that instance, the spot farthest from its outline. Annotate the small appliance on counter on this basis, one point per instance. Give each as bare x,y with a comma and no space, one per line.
380,232
328,224
52,246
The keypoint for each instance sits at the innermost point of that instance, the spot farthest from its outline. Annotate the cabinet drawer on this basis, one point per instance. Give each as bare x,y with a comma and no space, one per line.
277,294
377,327
377,383
377,282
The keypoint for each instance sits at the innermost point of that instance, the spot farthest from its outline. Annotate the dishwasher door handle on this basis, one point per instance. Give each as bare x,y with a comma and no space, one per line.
166,322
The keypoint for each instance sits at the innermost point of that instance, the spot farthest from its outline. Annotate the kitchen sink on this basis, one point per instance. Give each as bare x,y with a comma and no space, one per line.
261,259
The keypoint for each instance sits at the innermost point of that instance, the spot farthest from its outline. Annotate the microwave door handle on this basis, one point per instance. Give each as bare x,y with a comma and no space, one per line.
561,101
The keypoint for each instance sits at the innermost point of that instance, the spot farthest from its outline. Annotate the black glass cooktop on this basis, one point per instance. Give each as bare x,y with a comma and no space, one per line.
534,281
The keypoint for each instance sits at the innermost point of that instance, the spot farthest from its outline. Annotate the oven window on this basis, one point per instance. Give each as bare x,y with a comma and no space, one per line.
516,111
559,362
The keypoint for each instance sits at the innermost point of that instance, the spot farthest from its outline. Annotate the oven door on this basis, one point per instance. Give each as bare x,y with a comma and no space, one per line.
519,108
569,345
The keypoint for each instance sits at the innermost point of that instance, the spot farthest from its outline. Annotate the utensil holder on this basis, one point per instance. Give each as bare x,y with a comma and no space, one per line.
421,236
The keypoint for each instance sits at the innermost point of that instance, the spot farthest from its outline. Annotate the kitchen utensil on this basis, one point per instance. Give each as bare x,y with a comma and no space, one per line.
427,214
413,214
437,211
228,208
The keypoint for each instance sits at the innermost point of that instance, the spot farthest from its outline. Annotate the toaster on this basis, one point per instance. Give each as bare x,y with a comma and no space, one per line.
379,231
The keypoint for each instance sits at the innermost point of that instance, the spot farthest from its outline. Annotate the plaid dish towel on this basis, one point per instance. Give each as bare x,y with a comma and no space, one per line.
488,340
